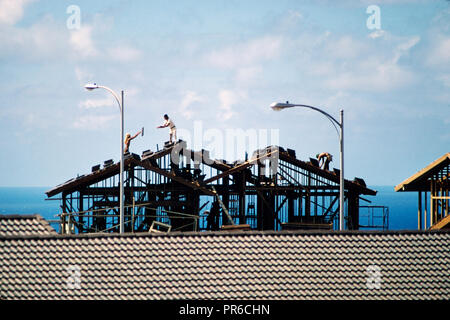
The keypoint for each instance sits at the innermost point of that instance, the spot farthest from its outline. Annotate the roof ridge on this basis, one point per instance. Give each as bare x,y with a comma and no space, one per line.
225,233
21,216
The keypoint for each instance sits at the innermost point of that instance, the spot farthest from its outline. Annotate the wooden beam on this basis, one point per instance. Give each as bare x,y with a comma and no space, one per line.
432,222
419,213
240,167
425,210
194,185
225,209
325,174
442,224
269,206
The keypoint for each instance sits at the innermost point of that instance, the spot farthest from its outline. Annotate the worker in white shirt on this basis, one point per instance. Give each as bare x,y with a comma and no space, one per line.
173,130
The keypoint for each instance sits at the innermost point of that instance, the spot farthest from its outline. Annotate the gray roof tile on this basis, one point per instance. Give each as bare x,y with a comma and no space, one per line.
11,225
246,265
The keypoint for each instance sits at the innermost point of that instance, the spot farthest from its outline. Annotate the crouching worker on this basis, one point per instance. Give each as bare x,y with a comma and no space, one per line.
326,158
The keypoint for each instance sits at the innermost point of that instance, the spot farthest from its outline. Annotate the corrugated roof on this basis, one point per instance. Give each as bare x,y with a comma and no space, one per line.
222,265
18,225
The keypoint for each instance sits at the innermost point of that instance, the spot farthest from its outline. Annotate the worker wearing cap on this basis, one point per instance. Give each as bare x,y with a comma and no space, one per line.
128,139
326,158
173,129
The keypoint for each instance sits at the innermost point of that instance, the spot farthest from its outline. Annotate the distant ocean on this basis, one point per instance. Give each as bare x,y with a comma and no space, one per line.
31,200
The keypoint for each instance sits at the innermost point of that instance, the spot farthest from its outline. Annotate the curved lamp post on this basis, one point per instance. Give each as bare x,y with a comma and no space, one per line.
281,106
91,87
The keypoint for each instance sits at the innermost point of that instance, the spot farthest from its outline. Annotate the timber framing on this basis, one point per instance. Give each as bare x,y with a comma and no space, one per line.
434,180
273,190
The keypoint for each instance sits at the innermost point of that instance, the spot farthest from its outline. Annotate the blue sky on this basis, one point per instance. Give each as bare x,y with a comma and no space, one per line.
221,64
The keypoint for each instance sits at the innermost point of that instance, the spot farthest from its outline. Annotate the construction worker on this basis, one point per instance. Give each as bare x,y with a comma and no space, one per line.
326,158
128,139
173,130
213,217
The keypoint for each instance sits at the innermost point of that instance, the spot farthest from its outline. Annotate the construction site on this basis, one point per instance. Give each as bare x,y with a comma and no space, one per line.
178,189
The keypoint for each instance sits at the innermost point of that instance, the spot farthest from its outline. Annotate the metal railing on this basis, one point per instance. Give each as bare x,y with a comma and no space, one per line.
376,217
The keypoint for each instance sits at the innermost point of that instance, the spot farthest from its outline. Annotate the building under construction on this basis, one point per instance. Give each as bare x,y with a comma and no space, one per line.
432,185
179,189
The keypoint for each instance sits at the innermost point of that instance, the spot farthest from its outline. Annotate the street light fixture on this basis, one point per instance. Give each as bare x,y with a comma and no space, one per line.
277,106
91,87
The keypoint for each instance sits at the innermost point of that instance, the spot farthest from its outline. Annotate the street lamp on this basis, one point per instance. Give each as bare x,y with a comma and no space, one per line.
91,87
281,106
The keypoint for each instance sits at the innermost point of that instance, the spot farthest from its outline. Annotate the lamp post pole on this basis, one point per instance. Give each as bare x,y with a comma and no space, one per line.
341,178
121,169
120,102
281,106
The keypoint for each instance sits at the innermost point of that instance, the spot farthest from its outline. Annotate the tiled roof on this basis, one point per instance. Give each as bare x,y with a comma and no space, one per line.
11,225
225,265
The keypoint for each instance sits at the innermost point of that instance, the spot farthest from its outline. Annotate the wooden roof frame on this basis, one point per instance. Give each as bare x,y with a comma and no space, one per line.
419,181
226,168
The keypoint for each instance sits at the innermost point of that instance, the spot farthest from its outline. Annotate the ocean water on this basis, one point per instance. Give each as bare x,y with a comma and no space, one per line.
28,200
402,205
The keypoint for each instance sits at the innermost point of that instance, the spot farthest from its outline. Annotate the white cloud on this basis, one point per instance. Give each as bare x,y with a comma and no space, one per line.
81,41
351,63
248,74
83,76
404,47
124,53
248,53
371,76
11,11
377,34
439,54
227,100
93,122
346,47
39,41
190,97
97,103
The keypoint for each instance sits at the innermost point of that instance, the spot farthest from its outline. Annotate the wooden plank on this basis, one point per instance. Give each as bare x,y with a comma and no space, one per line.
194,185
236,227
442,224
240,167
224,208
306,226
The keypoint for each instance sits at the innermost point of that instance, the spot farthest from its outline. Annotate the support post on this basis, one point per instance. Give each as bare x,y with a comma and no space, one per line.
341,180
425,210
419,213
431,203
